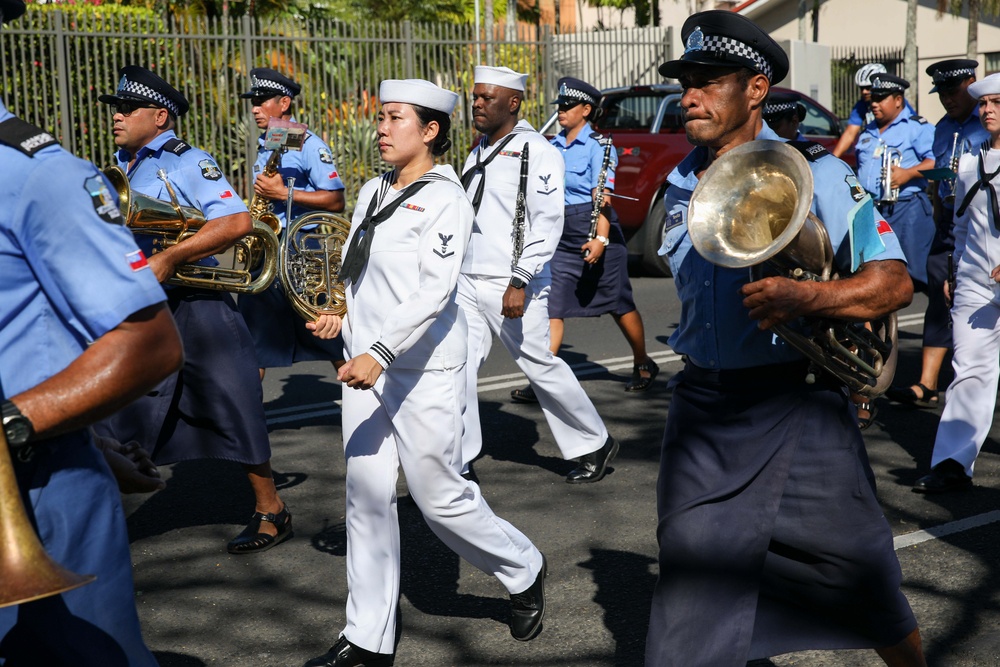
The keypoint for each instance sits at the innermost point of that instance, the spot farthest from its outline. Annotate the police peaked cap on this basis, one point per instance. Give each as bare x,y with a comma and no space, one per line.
138,84
266,82
888,84
574,91
781,104
723,38
949,73
11,9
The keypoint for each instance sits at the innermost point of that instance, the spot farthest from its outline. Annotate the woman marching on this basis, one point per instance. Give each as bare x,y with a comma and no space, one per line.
405,341
590,273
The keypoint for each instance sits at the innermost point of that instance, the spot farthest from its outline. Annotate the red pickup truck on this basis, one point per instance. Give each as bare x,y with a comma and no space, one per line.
645,123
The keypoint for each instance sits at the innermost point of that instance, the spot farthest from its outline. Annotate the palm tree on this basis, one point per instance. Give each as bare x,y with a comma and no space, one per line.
976,9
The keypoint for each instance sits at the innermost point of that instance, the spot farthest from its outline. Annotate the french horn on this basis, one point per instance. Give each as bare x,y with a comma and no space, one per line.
169,223
751,208
309,265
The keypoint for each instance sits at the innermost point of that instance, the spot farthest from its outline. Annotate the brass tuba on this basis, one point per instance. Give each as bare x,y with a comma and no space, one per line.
309,264
28,571
169,223
752,209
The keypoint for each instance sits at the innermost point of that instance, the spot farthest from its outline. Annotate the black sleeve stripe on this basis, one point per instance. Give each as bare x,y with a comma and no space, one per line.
383,353
522,274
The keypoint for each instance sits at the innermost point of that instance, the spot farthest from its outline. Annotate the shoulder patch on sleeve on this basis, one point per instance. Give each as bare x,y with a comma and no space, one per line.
102,200
209,170
810,149
325,156
24,136
176,146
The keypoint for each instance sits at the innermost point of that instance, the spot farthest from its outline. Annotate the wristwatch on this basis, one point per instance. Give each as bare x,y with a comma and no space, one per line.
603,239
16,426
517,283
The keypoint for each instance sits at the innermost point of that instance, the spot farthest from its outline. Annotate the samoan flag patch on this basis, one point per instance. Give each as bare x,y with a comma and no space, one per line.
136,260
226,194
883,227
412,207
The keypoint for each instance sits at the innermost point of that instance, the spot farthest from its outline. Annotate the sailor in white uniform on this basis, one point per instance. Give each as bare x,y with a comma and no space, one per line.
975,312
505,280
405,343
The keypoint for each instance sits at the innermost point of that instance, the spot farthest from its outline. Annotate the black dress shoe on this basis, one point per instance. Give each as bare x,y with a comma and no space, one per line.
594,466
252,541
346,654
527,609
526,395
949,475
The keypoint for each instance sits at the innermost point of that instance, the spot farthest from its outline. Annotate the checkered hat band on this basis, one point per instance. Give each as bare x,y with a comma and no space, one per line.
142,90
271,85
732,47
944,76
879,84
576,94
771,109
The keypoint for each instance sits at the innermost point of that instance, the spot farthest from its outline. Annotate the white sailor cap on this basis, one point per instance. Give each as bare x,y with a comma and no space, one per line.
987,86
419,92
500,76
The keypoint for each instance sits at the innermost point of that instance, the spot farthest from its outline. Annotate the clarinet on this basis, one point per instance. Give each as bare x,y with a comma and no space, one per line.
520,209
602,178
951,279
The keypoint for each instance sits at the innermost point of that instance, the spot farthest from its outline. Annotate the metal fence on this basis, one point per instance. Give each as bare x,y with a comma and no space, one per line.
844,62
54,66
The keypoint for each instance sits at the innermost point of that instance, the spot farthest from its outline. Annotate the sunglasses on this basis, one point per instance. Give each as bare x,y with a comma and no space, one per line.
127,108
259,100
568,105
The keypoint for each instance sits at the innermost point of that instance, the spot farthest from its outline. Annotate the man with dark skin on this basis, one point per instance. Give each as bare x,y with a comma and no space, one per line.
504,287
771,539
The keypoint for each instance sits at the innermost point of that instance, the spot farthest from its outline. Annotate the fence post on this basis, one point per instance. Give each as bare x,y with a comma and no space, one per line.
62,81
408,45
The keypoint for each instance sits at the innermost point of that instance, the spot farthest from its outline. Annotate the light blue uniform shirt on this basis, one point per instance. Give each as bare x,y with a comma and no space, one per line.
194,175
584,156
312,168
715,329
912,136
944,139
69,271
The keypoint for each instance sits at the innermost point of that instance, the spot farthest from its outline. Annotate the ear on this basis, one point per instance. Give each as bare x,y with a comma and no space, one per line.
162,118
514,102
757,89
286,104
431,131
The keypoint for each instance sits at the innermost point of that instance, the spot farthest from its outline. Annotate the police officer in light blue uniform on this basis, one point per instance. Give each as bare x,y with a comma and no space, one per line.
590,275
771,538
959,131
74,291
911,138
783,113
279,334
213,408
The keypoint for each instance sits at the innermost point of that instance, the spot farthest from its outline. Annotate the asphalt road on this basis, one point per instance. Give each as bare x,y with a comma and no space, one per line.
201,606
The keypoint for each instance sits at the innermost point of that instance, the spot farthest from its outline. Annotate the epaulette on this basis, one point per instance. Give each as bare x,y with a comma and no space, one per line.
812,150
600,138
920,119
176,146
24,136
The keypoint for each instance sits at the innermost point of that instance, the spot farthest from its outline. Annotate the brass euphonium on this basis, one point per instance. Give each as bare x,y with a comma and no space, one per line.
752,209
169,223
311,255
28,571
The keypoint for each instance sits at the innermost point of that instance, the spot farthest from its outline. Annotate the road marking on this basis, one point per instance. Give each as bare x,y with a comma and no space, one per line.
962,525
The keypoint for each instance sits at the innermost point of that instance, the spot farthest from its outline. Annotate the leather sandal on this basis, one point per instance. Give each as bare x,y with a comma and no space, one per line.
640,383
526,395
872,409
252,541
928,398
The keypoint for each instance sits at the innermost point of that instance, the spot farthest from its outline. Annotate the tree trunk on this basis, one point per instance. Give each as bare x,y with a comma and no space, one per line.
910,49
801,14
488,27
558,20
972,50
511,27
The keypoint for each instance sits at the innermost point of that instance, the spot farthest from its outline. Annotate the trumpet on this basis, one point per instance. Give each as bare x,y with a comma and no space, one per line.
959,147
752,209
169,223
891,157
